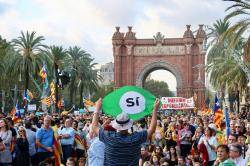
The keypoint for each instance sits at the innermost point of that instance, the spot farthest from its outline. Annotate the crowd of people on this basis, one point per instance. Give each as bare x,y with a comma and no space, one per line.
95,139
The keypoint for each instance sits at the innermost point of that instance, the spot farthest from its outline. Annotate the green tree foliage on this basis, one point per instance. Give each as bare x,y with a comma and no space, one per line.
29,59
23,58
103,91
239,9
223,69
158,88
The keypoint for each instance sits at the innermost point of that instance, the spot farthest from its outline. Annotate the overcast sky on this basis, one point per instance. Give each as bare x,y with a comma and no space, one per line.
91,23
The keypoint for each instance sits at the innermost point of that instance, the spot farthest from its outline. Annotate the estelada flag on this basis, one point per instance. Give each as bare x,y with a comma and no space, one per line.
134,101
218,114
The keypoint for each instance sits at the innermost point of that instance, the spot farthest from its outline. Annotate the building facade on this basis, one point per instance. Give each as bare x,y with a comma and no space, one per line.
107,73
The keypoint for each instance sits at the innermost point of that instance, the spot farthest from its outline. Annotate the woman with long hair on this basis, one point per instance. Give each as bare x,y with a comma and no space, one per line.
173,159
6,136
22,148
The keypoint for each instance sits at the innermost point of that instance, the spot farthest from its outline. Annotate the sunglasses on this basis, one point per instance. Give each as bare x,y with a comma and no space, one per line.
21,131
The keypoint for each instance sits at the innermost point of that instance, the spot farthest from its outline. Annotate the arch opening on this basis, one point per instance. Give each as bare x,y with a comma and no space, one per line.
160,82
141,76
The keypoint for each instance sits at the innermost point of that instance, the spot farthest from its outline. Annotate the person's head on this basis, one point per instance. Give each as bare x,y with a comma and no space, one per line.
21,131
199,130
75,125
192,120
122,122
170,135
158,150
199,121
57,122
155,159
10,121
222,152
186,126
235,151
237,128
213,127
4,124
70,162
232,124
28,124
80,126
232,139
67,123
81,161
47,121
241,139
181,161
172,150
159,123
143,150
197,164
208,132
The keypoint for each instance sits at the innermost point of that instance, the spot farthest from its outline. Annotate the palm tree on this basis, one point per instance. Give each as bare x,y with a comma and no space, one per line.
29,59
216,51
216,46
220,64
57,54
240,8
89,78
73,64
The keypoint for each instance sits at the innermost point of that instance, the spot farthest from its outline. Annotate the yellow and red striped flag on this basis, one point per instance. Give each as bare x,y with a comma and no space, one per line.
80,141
57,151
46,101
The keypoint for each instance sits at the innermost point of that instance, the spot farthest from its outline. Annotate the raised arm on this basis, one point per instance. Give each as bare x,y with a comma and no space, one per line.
95,119
153,122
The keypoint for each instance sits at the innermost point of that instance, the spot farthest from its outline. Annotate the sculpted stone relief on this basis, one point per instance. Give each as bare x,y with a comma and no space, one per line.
188,46
117,50
129,47
158,50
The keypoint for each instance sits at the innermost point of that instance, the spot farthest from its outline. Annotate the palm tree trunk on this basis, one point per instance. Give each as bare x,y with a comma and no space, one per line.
71,93
26,86
56,86
81,102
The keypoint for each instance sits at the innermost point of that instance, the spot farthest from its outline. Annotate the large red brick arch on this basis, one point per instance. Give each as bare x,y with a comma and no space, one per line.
183,57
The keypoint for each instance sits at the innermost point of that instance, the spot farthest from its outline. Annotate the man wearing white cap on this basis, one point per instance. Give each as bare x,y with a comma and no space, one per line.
122,148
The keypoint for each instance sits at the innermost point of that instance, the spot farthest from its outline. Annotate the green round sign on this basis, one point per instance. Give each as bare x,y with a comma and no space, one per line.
134,101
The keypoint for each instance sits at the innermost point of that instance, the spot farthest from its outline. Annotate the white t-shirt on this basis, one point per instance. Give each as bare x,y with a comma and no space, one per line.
212,141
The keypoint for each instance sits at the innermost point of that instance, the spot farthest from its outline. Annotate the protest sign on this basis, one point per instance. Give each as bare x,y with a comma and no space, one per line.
177,103
134,101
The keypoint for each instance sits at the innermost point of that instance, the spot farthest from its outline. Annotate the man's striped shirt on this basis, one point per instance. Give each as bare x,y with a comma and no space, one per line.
122,150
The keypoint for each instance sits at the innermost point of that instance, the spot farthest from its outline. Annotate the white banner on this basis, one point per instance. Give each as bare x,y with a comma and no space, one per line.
177,103
31,107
